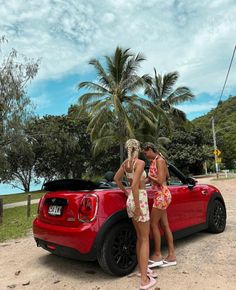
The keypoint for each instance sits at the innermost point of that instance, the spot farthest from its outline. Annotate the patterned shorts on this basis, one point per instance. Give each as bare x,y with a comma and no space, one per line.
143,201
162,198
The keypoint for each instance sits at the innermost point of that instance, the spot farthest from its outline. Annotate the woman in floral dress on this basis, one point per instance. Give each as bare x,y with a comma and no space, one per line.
158,176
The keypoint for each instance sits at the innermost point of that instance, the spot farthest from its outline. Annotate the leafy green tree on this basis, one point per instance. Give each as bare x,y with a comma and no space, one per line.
15,74
225,128
96,164
164,98
112,100
18,160
187,150
16,155
62,147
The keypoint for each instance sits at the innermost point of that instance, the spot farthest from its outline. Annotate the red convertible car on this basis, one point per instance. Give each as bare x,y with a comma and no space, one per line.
87,221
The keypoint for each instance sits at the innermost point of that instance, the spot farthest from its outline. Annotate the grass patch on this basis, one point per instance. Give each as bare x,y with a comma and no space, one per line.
15,222
21,196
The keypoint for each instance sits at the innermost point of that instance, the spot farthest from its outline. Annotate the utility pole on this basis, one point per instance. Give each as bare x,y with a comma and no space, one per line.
215,147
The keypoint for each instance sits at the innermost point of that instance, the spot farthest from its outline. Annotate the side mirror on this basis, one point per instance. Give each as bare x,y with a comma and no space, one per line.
191,182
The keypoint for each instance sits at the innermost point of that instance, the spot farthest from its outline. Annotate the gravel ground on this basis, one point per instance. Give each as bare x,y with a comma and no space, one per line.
205,261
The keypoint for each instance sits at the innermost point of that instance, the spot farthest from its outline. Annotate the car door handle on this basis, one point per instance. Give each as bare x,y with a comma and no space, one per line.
204,192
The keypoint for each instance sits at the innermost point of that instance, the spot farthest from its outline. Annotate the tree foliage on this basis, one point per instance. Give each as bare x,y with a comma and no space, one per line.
112,101
16,155
17,163
62,146
164,99
187,150
15,73
225,128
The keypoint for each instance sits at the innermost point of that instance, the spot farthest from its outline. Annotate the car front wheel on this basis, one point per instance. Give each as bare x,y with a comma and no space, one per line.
217,217
117,255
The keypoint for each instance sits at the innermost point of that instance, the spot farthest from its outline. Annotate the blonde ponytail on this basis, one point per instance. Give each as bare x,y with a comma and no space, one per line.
133,148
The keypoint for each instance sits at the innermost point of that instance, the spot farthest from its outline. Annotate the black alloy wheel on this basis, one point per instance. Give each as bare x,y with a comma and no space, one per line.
118,253
217,217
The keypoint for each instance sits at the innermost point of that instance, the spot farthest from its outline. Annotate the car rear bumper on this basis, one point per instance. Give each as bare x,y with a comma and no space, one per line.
66,251
67,239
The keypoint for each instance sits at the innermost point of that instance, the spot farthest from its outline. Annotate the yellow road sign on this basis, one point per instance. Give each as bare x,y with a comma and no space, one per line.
217,152
218,160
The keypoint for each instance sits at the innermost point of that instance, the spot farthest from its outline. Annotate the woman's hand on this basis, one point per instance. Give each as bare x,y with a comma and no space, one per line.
126,192
152,178
137,213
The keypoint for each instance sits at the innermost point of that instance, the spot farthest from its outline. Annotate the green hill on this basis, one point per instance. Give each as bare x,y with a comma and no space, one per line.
225,127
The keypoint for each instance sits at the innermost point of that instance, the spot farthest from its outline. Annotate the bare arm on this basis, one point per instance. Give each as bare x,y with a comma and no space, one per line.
139,168
118,178
162,172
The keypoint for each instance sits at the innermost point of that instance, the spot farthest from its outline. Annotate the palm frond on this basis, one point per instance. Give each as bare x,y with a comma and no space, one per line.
103,143
84,99
99,118
93,86
103,76
168,81
180,95
158,85
137,82
150,92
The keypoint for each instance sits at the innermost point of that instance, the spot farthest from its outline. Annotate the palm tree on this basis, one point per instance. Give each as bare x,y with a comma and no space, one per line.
112,101
164,98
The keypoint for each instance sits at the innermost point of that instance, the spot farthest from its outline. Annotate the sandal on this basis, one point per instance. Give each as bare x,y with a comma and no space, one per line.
150,273
155,263
152,282
168,264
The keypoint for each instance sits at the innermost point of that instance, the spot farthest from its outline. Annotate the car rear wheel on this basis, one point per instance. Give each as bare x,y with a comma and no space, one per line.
217,217
117,255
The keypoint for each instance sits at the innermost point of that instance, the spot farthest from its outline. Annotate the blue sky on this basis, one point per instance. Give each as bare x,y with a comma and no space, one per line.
196,38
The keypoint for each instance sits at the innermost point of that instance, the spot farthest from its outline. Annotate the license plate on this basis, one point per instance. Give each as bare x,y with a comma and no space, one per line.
55,209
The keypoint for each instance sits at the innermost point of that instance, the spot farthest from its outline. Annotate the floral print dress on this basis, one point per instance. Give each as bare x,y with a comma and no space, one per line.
162,198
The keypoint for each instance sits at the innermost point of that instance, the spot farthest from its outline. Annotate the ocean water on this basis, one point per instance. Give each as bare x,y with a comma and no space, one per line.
9,189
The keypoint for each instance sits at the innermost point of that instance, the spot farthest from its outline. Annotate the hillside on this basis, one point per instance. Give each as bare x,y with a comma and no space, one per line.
225,126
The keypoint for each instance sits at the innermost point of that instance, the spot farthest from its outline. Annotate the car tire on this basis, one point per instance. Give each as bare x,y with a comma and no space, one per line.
117,255
217,217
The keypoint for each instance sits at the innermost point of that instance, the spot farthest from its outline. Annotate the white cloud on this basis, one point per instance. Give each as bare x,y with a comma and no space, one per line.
194,37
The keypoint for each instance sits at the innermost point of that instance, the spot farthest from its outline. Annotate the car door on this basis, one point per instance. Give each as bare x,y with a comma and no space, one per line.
188,204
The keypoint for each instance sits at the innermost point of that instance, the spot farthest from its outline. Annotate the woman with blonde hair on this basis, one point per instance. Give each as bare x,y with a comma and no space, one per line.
137,207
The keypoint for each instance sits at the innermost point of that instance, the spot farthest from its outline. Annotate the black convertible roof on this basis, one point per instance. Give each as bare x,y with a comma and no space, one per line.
70,184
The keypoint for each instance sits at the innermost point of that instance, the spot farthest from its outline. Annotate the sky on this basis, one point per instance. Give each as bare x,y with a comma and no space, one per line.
195,38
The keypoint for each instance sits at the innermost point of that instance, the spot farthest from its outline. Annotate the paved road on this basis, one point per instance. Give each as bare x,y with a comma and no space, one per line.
20,203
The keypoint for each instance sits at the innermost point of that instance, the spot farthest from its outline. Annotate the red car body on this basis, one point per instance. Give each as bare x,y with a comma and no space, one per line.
91,223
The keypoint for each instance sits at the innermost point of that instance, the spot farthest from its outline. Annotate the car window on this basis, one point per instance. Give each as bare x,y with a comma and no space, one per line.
174,180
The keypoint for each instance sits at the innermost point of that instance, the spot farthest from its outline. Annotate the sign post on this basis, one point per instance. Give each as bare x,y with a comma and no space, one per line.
216,151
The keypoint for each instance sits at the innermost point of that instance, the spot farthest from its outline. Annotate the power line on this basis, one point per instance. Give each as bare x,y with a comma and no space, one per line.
228,72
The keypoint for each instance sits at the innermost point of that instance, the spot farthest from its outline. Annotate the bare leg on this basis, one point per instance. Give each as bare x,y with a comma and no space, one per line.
137,242
169,237
142,229
156,215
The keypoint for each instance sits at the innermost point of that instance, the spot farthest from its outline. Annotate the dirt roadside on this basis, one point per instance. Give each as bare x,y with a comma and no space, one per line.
205,261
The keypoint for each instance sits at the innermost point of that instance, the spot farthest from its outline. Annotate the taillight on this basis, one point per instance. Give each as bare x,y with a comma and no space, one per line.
88,208
39,205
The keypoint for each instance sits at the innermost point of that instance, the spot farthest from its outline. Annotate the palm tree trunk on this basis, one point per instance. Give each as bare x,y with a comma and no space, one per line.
121,152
